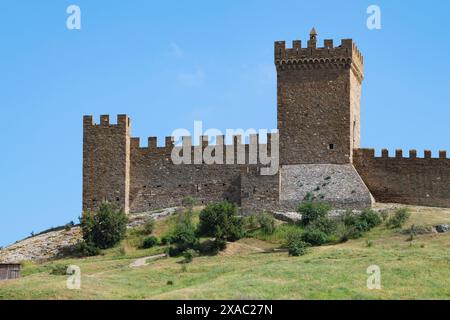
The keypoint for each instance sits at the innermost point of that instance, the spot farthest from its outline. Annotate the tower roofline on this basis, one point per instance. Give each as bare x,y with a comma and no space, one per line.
346,54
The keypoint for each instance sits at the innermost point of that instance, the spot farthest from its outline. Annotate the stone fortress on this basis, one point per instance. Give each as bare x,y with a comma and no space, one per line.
320,157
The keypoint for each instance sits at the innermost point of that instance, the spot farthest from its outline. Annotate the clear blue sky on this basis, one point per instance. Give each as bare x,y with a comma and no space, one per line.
168,63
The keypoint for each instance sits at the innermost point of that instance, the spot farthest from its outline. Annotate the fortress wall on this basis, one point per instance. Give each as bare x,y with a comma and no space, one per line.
408,180
259,192
156,182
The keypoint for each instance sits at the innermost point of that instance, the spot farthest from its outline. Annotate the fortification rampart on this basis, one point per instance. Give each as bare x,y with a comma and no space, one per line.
408,180
115,165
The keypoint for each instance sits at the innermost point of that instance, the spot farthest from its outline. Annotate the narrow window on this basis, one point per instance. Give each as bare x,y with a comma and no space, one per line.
331,146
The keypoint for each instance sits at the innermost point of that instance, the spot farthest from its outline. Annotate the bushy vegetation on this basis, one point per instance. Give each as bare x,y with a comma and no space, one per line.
211,247
266,223
188,256
58,270
149,226
399,218
295,244
220,220
314,236
371,218
150,242
86,249
184,236
357,224
311,211
325,224
104,228
188,202
167,239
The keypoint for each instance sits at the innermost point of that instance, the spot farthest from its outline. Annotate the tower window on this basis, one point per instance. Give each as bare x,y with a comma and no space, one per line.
331,146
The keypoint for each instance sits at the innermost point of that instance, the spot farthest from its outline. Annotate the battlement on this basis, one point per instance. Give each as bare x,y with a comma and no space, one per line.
169,142
345,55
370,153
121,120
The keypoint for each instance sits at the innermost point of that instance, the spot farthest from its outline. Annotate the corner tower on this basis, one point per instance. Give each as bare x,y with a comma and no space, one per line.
318,107
106,162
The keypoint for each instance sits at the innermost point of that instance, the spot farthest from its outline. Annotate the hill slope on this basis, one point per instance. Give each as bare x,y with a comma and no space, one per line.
418,269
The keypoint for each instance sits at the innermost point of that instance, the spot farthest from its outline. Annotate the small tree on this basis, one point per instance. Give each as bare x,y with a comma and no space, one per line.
311,211
106,227
219,220
295,245
183,236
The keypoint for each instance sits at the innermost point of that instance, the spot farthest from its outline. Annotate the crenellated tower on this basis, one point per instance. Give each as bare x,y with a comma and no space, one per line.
106,162
318,107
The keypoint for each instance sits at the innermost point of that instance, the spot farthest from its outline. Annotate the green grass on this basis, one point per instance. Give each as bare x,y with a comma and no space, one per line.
409,270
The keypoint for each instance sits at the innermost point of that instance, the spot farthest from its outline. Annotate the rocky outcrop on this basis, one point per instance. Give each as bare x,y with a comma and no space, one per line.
48,245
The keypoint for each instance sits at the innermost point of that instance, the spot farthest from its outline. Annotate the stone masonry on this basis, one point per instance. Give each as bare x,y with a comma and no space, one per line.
318,110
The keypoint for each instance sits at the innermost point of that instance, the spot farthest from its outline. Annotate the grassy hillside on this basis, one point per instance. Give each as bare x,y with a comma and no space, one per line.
418,269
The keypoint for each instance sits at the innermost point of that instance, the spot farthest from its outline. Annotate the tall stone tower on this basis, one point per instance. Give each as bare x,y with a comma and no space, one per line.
318,109
318,105
106,162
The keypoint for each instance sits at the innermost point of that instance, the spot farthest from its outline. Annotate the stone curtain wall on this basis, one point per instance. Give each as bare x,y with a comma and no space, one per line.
158,183
408,180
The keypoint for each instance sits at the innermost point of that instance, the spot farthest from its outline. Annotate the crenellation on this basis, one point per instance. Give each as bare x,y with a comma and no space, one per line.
104,120
135,143
399,153
413,154
169,143
328,43
152,143
123,120
88,120
427,154
442,154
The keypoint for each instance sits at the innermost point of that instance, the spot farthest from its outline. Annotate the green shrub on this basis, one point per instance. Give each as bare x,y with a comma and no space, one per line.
250,222
105,228
298,248
314,237
325,224
188,202
219,220
295,245
167,239
384,214
58,270
69,226
86,249
174,252
399,218
149,242
212,247
266,223
311,211
149,226
184,236
188,256
371,218
354,223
